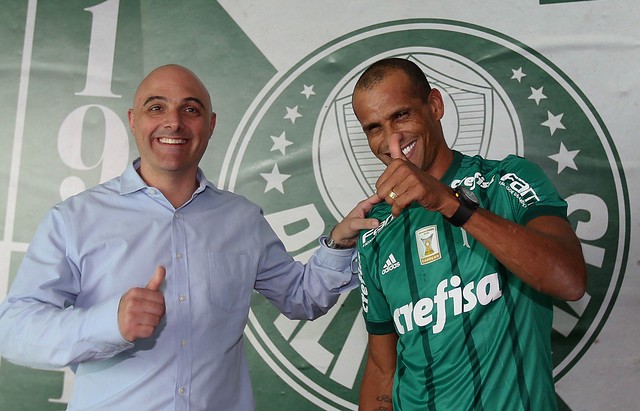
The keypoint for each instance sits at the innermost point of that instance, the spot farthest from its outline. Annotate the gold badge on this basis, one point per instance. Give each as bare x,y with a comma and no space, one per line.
428,245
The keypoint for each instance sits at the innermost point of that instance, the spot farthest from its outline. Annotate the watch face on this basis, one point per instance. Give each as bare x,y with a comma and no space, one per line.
468,195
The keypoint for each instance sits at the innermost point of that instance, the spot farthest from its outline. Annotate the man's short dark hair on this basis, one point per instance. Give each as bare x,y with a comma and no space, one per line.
380,69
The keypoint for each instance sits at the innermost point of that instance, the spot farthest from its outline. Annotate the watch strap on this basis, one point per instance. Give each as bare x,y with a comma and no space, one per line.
328,241
464,211
461,216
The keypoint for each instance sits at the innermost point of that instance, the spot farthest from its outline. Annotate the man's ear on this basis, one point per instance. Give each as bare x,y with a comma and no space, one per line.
436,103
212,125
132,119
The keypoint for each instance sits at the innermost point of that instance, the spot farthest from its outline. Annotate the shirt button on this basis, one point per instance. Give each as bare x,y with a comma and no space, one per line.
183,343
153,192
181,298
181,390
179,256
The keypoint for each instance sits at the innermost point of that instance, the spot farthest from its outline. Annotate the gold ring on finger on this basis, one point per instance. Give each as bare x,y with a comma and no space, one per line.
393,195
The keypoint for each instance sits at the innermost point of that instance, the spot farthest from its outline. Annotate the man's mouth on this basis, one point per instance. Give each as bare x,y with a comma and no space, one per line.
408,149
170,140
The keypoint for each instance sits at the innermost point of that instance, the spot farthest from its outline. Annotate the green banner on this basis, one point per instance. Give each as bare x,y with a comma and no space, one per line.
281,76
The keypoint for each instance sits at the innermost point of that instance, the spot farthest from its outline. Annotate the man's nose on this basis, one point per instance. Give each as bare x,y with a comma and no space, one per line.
173,119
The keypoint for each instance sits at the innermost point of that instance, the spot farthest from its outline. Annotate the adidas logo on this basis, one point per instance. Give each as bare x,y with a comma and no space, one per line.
390,264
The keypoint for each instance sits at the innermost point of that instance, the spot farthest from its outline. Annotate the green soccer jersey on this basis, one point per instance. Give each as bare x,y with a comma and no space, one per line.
472,336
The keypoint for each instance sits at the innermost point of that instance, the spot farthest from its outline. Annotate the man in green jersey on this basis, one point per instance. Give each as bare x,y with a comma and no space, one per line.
457,280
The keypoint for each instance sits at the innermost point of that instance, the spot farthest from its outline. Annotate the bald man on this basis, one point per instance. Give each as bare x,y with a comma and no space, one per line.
142,284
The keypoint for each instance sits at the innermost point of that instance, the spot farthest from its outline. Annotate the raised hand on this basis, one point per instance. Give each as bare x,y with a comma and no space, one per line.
346,232
141,309
403,183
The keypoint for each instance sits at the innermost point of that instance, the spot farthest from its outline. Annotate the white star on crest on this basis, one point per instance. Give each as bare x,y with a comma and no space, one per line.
536,94
553,122
564,158
275,179
292,114
308,91
517,74
280,143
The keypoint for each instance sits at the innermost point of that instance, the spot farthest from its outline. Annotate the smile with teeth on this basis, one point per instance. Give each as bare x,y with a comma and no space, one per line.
408,148
169,140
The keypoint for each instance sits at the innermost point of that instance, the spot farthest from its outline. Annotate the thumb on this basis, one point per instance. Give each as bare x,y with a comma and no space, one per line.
157,279
394,146
370,202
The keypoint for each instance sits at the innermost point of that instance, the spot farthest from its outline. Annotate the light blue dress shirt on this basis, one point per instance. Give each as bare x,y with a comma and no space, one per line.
217,248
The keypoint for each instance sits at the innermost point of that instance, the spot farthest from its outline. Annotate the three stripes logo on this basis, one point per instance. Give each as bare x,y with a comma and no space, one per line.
390,265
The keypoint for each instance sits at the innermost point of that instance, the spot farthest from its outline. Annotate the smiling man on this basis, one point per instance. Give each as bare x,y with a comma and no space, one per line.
457,281
172,122
142,284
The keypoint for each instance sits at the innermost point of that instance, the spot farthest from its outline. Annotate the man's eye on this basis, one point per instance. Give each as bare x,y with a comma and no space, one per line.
155,108
371,130
193,110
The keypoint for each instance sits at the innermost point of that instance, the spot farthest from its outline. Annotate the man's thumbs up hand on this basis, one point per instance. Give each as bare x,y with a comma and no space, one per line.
141,309
394,147
157,279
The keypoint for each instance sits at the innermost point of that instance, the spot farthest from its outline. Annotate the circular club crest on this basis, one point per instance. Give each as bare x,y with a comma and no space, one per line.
300,153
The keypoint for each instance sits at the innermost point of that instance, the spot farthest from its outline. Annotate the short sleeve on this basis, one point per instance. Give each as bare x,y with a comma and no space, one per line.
529,191
375,307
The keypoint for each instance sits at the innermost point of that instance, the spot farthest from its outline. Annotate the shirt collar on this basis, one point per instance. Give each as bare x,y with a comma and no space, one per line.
448,176
131,180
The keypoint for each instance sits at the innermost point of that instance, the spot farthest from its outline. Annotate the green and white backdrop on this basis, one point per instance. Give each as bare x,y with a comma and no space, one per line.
556,81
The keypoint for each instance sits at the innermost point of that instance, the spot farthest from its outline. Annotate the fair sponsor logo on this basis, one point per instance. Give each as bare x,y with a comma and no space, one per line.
525,194
368,236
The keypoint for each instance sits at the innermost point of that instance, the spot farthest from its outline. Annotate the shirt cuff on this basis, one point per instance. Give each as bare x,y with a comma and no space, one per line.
342,265
103,327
